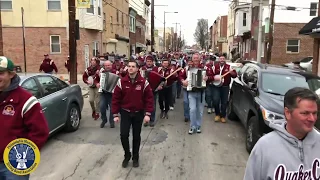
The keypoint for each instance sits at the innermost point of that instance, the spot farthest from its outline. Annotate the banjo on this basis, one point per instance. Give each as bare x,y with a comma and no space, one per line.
220,82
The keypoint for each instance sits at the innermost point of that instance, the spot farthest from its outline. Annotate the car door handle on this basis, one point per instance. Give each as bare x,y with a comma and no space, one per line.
44,109
64,99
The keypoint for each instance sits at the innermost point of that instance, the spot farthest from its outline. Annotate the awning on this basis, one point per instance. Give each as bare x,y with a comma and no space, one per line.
140,45
311,27
111,40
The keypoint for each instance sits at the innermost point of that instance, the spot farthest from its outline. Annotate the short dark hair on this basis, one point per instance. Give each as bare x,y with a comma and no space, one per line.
295,95
165,59
134,61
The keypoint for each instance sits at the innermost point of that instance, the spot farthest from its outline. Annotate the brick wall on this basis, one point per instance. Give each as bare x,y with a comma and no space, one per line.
38,44
224,26
283,32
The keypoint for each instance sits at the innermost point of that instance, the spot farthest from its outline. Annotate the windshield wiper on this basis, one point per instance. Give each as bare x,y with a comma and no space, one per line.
274,93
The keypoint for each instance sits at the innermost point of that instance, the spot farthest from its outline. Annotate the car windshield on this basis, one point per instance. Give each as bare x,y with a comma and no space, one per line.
281,83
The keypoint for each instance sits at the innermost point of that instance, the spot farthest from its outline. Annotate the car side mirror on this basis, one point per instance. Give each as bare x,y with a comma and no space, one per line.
252,86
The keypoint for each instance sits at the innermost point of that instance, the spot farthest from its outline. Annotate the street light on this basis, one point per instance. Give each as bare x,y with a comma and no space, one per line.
164,27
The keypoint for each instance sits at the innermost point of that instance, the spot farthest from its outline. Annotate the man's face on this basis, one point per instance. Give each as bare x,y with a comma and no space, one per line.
149,63
93,62
176,56
196,59
132,68
222,59
302,119
165,64
5,79
107,65
46,57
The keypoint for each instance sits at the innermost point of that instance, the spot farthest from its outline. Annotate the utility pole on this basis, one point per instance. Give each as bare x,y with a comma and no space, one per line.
152,25
316,46
1,37
259,50
72,41
175,44
164,32
270,36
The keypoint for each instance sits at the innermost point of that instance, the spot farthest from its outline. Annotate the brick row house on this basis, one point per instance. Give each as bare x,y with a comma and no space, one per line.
288,46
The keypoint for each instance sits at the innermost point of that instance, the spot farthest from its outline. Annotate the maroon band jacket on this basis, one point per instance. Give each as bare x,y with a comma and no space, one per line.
48,66
223,70
132,97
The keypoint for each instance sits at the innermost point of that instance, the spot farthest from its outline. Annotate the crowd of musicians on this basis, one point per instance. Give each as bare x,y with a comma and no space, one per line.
144,82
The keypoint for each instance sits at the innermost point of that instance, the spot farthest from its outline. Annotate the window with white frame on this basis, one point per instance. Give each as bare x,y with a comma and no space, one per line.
6,4
132,21
244,20
54,5
99,7
313,8
293,45
95,48
91,9
55,44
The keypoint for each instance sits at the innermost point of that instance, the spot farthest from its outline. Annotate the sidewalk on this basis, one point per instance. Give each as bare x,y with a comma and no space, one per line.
83,86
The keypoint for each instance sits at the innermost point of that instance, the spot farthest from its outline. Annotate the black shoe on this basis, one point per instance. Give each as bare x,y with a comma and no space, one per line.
102,124
166,115
135,163
146,124
152,124
125,162
112,126
162,115
186,120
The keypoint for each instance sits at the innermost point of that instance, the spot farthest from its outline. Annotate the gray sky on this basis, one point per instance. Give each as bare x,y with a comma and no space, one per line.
189,12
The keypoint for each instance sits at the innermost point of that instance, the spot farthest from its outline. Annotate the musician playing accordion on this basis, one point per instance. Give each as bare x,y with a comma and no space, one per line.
105,97
197,96
221,93
88,77
146,69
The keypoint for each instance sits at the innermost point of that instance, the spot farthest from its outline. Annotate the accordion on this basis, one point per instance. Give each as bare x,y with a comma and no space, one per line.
195,79
108,82
145,74
154,78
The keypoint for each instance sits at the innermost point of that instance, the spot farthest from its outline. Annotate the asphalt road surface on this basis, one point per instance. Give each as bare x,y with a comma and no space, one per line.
168,152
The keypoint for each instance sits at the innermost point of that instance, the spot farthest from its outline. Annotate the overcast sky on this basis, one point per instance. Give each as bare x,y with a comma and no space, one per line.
189,12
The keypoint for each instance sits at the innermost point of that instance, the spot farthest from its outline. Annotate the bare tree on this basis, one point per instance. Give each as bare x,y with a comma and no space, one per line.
201,33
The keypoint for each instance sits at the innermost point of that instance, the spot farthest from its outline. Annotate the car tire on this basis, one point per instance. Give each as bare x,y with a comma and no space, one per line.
252,134
232,116
73,119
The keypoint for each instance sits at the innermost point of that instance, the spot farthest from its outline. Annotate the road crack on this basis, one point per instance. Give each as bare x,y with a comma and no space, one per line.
74,171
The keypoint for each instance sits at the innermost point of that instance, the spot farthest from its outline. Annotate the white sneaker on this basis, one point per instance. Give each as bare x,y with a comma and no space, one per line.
209,110
171,108
191,131
199,130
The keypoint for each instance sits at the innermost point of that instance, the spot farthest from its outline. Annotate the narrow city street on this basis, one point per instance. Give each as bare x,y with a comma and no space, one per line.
167,152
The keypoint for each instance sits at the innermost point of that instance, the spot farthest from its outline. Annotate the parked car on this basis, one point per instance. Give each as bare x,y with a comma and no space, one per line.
61,103
235,66
257,94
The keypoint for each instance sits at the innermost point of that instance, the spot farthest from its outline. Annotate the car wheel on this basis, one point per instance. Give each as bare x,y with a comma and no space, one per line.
252,133
230,112
73,119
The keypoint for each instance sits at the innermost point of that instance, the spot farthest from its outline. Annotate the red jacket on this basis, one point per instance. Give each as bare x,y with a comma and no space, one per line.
21,117
90,71
132,97
48,66
209,72
167,72
226,68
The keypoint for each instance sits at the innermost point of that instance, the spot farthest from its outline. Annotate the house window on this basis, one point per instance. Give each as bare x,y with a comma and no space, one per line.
313,9
6,4
132,21
54,5
95,48
244,21
99,7
293,45
104,21
91,9
55,44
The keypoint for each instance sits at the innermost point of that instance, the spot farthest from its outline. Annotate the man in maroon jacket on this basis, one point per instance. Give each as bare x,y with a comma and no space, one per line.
221,94
88,77
133,100
47,65
20,117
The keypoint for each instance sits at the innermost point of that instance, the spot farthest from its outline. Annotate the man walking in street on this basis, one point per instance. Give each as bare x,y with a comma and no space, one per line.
182,77
47,65
197,97
105,97
21,115
133,102
291,151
